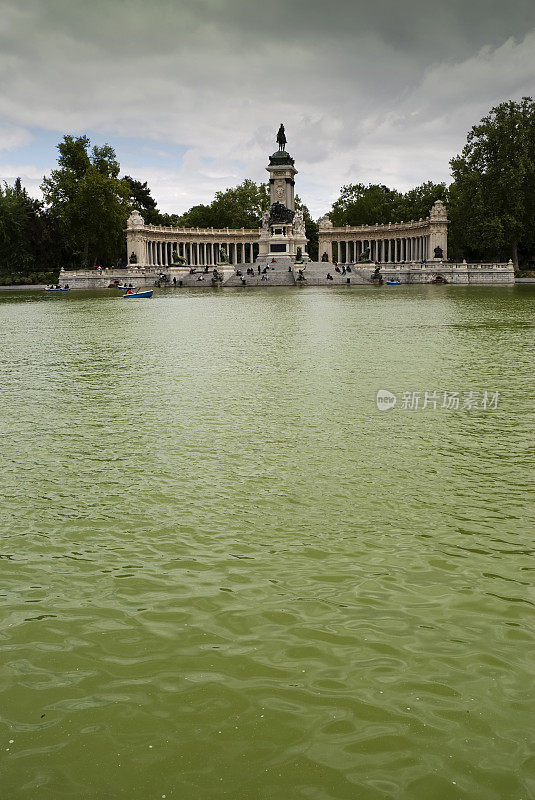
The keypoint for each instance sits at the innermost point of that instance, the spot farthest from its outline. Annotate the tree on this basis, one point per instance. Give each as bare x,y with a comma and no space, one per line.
15,253
417,202
239,207
88,200
311,229
493,195
30,244
365,205
141,198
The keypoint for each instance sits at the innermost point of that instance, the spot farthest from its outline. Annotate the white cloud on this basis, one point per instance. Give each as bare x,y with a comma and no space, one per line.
13,136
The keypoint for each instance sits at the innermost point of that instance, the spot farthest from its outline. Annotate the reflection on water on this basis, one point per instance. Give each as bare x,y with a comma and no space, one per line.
225,573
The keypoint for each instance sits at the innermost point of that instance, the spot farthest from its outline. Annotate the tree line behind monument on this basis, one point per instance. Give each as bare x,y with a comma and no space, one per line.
81,222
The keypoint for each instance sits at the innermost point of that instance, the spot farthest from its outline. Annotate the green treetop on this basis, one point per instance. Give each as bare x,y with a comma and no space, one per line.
88,199
493,195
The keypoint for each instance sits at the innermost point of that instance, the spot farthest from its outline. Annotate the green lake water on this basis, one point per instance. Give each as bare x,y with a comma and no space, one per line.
224,573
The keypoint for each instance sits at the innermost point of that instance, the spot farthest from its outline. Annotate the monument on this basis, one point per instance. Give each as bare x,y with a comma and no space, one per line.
283,228
414,251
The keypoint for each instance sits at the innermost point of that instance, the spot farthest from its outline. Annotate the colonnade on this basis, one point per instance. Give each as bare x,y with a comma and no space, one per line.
391,250
159,252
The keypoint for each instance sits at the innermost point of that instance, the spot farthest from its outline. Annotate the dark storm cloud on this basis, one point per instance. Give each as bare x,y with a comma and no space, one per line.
369,91
421,26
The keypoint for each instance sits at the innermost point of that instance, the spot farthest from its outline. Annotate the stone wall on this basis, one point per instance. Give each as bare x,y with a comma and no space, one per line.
315,274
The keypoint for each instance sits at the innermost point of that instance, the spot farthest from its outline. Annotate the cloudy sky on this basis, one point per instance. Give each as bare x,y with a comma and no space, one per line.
191,92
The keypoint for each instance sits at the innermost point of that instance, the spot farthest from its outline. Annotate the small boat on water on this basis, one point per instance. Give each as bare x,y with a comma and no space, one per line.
58,289
138,295
393,283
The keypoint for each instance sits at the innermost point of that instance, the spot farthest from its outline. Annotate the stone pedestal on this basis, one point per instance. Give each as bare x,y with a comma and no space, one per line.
283,228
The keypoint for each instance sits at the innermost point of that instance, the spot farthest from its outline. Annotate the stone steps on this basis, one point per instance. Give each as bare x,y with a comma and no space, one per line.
278,276
316,275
